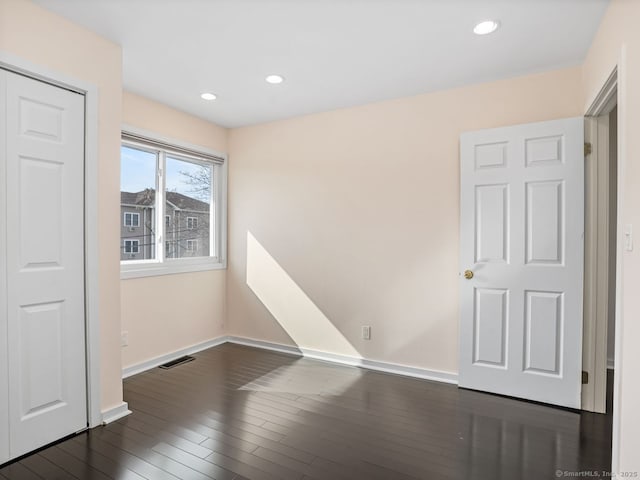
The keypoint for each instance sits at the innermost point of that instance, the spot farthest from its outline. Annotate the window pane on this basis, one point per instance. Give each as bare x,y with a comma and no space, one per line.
188,208
137,204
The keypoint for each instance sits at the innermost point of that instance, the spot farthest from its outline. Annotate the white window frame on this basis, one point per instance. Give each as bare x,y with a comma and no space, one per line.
218,220
132,242
133,215
194,223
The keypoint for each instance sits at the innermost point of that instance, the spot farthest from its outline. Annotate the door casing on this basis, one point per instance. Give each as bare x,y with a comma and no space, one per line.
597,166
24,67
616,85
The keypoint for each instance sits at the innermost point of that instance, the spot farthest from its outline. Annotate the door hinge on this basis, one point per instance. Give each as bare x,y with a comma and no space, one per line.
587,149
585,377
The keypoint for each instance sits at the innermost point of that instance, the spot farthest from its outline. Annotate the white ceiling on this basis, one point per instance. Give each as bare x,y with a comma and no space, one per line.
333,53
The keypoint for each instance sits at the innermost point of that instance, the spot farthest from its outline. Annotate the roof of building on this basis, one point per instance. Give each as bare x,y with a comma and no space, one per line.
147,197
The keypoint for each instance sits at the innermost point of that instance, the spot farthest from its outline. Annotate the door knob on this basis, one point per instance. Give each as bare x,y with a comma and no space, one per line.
468,274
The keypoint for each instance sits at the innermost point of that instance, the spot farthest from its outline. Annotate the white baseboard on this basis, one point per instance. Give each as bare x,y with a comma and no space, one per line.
415,372
276,347
386,367
115,413
156,361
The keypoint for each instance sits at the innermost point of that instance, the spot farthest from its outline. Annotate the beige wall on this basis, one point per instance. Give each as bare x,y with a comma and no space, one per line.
359,208
147,114
167,313
50,41
618,43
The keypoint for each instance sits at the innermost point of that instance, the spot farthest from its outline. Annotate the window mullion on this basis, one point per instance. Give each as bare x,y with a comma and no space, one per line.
213,213
160,205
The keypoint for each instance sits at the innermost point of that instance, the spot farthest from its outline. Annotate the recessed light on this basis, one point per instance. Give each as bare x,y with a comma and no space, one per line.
208,96
274,79
486,27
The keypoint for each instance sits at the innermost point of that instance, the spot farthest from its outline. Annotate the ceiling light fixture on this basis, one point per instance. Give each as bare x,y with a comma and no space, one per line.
208,96
274,79
486,27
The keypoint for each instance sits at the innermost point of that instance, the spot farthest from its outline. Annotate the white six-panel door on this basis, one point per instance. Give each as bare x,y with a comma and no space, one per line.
522,217
42,343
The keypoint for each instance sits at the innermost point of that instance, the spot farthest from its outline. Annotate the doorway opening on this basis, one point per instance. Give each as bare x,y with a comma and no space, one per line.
601,249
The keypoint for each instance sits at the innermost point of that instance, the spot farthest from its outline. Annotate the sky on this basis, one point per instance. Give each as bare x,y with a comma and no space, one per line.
138,171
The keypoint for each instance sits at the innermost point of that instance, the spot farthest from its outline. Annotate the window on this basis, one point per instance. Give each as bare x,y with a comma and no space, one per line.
137,199
131,219
192,246
131,247
175,194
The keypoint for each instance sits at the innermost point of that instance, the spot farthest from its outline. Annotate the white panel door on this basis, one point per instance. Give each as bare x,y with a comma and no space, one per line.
522,224
44,215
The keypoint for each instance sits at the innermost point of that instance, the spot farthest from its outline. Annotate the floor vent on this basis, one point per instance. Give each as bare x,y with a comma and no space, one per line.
177,361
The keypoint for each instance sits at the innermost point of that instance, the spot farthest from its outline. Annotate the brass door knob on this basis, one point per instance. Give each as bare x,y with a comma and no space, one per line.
468,274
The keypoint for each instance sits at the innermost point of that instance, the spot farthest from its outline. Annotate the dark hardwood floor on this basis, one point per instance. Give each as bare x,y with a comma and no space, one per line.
238,412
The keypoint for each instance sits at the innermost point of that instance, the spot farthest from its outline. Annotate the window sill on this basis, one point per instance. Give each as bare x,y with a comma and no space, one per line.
168,267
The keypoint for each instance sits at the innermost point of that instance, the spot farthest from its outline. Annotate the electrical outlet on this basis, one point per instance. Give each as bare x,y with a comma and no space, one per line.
366,332
124,339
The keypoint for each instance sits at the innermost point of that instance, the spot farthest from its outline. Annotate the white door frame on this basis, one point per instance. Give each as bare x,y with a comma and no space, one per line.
597,261
616,81
92,326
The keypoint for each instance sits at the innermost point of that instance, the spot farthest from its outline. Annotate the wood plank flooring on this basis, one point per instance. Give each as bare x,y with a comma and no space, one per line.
243,413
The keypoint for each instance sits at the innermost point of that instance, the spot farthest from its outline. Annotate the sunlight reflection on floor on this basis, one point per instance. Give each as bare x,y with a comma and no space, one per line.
300,379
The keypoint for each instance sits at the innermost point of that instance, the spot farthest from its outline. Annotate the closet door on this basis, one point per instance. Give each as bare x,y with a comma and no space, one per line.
44,217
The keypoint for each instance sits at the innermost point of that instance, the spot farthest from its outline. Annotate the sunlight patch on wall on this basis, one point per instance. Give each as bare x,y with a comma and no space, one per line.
290,306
